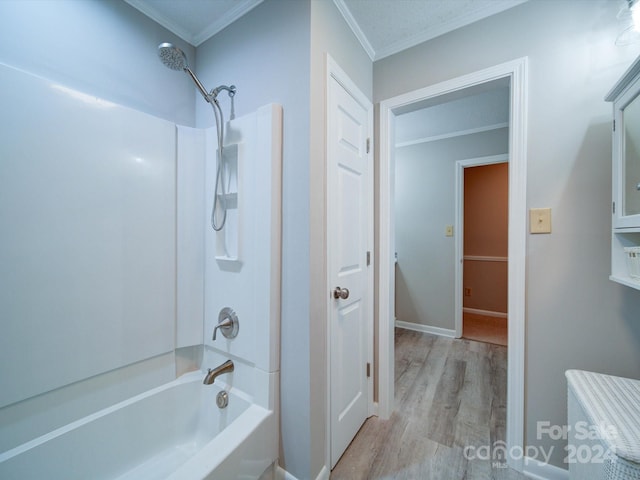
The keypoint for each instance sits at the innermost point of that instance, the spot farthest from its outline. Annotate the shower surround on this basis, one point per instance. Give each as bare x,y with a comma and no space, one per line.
110,278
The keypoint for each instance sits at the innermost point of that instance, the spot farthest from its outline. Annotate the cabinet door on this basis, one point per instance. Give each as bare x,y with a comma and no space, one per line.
626,155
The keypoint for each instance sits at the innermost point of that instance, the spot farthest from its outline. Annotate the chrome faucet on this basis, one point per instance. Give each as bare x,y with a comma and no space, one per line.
226,367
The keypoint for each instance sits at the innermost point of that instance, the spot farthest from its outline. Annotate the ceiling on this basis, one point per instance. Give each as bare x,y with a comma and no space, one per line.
383,27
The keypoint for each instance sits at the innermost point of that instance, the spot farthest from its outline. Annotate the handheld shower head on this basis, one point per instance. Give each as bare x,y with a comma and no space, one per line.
172,56
175,59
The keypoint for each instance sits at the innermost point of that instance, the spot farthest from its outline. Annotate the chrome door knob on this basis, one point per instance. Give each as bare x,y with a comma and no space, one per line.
342,293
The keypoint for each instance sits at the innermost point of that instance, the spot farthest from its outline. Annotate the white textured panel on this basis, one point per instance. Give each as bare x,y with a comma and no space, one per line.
87,222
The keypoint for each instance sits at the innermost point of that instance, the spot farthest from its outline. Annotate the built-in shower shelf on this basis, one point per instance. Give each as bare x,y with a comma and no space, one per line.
227,260
228,238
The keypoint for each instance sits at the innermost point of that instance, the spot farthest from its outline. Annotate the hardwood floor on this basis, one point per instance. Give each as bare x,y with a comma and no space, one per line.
450,394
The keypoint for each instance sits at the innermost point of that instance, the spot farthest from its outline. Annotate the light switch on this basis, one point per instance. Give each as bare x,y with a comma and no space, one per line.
448,230
540,220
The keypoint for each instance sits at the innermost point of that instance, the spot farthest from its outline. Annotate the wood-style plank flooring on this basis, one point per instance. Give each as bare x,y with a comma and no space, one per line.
450,394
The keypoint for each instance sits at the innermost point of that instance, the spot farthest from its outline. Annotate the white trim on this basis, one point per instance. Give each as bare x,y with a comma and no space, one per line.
418,327
333,71
485,258
517,257
517,72
282,474
324,474
538,470
386,263
458,133
195,38
485,313
459,229
355,28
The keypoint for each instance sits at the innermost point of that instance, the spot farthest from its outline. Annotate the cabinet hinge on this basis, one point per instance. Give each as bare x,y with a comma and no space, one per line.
368,370
614,125
368,258
614,208
368,145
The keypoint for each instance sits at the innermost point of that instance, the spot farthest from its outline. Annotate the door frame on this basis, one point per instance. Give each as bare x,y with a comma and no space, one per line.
458,227
516,71
334,72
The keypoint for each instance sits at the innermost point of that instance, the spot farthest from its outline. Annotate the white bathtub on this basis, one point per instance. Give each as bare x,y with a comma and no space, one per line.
174,431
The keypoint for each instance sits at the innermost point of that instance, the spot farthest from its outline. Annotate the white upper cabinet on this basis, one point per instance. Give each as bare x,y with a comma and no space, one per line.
625,255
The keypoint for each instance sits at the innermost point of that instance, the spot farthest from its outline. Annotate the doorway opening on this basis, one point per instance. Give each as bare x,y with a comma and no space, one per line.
484,260
515,73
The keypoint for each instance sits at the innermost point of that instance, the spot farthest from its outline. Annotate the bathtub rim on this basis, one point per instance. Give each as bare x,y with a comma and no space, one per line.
188,377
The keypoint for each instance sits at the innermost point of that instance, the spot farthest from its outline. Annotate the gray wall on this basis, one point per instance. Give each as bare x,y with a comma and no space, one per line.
266,55
425,194
104,48
424,205
329,34
575,317
276,53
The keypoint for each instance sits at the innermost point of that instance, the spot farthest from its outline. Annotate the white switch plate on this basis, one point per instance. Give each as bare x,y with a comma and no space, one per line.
448,230
540,220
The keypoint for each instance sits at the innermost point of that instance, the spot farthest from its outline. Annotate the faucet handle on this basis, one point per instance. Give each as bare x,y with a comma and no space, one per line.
227,323
223,325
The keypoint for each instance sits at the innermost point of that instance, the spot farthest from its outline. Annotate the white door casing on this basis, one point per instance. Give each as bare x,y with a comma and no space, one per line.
459,228
516,70
349,254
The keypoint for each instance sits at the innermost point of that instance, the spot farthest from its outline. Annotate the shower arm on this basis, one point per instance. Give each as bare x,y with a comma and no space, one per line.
231,89
208,97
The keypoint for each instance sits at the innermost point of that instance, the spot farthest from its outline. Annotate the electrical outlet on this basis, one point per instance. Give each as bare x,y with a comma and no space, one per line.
467,291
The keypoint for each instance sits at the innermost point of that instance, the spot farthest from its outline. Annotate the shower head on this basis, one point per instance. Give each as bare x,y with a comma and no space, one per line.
175,59
172,56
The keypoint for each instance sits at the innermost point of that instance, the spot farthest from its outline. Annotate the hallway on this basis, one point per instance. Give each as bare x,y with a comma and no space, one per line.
450,394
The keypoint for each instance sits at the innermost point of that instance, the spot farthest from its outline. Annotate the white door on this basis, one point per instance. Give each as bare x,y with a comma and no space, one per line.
350,273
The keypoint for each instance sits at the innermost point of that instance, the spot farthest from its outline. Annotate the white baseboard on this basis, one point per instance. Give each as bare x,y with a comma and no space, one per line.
418,327
324,474
534,469
485,313
282,474
543,471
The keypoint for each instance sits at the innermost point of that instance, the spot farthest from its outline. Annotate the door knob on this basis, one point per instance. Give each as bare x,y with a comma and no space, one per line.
342,293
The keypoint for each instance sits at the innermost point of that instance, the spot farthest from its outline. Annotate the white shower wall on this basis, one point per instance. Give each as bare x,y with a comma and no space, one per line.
102,252
87,214
251,285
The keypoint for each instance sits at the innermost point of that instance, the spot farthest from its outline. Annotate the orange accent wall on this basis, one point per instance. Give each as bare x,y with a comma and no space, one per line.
486,211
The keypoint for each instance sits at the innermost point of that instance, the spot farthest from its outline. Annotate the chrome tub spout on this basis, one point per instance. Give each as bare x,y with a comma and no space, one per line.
212,374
